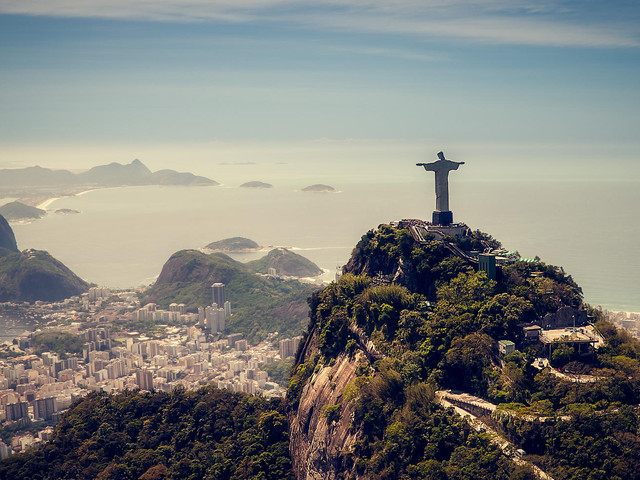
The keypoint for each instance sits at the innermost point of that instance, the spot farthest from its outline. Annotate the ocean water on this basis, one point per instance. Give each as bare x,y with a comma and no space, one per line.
123,236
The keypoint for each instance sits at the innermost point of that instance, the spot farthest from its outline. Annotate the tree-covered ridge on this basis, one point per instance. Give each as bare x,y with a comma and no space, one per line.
435,322
207,434
260,305
285,263
35,275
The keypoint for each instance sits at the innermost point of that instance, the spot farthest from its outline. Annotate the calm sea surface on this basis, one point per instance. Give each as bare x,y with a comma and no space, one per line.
123,236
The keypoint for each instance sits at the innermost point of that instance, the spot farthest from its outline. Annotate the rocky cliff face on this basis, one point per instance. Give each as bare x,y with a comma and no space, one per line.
7,238
320,432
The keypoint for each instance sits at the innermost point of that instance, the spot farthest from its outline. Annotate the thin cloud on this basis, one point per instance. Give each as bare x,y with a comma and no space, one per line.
495,30
515,22
392,53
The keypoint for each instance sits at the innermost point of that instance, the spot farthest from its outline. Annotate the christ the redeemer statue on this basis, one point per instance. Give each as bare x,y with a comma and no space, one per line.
442,215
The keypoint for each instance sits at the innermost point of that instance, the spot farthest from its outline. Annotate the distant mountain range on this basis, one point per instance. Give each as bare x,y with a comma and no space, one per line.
113,174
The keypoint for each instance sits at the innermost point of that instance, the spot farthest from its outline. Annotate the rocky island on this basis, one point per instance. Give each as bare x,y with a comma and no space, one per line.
319,188
256,184
67,211
233,244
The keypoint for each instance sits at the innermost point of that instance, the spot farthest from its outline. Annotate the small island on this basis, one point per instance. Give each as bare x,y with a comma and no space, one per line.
234,244
319,188
20,211
256,184
67,211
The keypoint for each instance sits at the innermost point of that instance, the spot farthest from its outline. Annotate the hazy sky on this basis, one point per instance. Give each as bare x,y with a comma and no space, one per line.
515,81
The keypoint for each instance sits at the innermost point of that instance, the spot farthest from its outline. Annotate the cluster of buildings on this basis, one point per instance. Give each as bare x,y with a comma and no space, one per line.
628,320
40,386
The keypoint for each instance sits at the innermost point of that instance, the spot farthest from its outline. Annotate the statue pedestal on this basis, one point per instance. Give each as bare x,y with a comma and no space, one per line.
442,218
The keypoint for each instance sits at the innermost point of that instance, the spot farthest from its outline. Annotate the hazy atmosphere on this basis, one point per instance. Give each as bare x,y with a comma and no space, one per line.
330,239
350,94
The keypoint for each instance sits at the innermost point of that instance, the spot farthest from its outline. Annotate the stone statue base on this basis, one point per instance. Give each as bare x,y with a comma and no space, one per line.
442,218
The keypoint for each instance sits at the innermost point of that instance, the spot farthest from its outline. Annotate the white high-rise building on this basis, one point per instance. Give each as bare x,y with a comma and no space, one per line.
5,451
215,319
144,379
289,346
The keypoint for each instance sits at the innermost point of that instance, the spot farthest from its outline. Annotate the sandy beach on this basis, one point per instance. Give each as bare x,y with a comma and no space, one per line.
45,205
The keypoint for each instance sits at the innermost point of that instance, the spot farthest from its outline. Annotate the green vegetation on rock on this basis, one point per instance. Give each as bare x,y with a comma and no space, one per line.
35,275
286,263
260,305
434,321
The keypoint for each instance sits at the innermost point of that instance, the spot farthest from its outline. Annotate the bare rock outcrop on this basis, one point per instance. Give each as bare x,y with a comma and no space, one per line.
321,432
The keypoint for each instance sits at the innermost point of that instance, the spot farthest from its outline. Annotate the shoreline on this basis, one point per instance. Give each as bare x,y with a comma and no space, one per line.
44,205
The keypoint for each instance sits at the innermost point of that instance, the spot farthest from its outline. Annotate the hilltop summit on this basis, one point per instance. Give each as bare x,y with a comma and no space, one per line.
415,325
286,263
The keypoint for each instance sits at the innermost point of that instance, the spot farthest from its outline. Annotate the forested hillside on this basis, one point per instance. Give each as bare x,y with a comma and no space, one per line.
260,305
209,434
377,352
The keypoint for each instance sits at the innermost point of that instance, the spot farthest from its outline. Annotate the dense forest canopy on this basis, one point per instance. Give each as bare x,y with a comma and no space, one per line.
208,434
